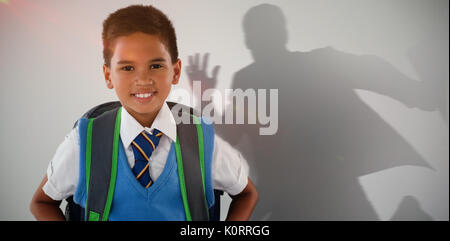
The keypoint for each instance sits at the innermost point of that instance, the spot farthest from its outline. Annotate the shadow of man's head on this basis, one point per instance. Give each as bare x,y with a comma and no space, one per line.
265,29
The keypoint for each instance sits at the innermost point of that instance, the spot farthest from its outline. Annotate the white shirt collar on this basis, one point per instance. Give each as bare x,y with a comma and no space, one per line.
164,122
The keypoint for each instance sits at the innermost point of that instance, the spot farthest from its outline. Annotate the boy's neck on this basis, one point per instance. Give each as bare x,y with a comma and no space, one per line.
146,119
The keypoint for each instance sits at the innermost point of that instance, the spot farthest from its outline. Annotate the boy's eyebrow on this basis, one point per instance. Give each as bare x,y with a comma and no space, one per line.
158,60
125,62
131,62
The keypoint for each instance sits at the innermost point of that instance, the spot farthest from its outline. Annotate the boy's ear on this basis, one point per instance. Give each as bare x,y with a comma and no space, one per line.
176,71
107,73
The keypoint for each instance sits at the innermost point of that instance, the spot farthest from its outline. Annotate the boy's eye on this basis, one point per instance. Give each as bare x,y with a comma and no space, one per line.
127,68
155,66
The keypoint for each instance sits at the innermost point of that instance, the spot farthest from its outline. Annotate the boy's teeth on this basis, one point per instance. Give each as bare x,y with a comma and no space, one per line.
146,95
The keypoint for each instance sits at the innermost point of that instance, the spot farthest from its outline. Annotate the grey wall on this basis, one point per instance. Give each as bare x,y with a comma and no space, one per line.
363,97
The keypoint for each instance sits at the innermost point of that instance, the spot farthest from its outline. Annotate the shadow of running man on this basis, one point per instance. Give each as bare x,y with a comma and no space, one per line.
327,136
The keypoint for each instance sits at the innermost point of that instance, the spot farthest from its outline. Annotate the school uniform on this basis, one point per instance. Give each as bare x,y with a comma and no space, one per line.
228,170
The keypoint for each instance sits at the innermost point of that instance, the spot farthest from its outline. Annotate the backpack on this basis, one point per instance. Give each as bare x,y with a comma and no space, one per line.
188,157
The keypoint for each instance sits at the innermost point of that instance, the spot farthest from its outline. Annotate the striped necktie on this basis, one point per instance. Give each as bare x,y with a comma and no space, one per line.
143,146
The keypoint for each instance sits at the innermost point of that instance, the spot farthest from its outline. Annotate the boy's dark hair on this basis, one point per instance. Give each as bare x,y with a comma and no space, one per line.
138,18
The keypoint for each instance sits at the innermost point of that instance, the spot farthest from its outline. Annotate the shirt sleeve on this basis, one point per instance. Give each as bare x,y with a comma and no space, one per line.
62,171
229,168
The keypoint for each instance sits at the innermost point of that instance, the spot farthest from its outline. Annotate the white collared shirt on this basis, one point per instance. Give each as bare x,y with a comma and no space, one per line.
229,168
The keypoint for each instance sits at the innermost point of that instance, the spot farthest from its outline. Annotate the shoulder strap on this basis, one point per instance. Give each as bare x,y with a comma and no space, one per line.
191,165
101,163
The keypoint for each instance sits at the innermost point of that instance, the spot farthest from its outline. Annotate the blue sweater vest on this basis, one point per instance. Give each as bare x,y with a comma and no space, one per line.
162,200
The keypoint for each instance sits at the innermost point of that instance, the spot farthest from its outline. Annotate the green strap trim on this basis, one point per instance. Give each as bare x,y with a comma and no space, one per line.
88,155
93,216
182,182
112,182
201,153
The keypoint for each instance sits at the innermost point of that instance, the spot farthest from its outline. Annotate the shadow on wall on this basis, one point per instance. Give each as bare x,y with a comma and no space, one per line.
410,210
327,136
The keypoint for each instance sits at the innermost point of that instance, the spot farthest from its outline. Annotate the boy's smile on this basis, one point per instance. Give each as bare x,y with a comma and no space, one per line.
142,73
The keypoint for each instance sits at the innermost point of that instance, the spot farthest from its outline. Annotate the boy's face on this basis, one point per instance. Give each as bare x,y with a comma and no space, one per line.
142,73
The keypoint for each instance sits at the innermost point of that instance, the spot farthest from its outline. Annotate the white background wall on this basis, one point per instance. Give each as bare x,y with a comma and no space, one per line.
51,72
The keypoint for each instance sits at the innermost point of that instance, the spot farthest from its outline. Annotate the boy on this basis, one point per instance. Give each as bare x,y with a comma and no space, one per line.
141,64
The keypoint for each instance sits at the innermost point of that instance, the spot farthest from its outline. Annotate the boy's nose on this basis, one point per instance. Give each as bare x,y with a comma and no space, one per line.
144,78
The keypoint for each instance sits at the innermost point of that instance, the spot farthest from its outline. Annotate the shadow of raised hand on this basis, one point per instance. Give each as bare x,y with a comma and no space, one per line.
197,72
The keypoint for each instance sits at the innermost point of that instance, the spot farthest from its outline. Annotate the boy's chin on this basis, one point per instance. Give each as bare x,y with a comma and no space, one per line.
148,108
